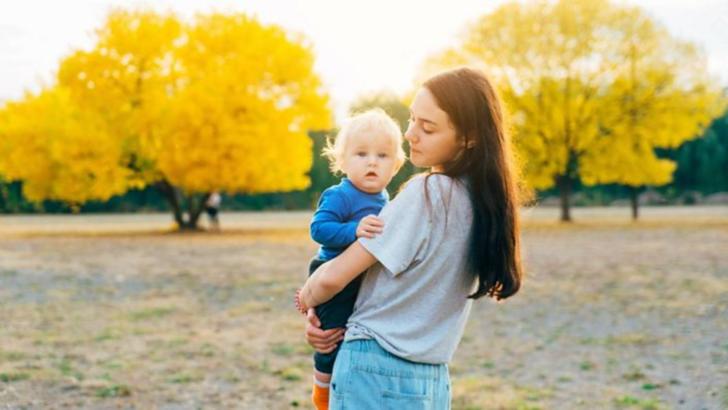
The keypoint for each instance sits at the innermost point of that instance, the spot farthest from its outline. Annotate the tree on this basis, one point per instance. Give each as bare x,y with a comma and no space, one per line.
703,163
222,103
559,66
660,98
127,79
60,151
239,122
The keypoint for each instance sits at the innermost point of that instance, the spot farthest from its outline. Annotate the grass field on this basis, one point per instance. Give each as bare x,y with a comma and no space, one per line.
116,311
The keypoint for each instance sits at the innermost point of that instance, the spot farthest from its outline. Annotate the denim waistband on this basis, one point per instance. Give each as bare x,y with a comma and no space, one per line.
415,369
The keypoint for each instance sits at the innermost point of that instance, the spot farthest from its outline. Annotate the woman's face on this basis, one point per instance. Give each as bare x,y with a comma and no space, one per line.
432,137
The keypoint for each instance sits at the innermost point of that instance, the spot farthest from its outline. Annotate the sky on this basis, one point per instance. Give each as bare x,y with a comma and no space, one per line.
360,46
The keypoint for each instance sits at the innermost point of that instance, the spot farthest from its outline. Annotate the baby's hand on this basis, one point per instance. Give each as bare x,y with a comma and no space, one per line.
369,226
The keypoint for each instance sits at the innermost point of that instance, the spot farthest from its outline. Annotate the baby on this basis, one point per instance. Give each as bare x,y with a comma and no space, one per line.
368,150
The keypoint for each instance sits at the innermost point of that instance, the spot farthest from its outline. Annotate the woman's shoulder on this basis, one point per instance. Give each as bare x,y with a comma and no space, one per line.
435,183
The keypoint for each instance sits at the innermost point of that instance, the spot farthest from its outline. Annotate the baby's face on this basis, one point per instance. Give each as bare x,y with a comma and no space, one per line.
369,162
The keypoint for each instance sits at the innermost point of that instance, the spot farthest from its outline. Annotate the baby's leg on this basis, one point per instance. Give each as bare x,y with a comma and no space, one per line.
321,372
323,367
321,376
332,314
320,394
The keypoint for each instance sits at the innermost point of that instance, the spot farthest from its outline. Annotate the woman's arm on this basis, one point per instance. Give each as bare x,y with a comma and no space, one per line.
331,277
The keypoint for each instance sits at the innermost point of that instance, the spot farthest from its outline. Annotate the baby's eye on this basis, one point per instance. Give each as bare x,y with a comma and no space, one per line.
383,155
427,131
361,154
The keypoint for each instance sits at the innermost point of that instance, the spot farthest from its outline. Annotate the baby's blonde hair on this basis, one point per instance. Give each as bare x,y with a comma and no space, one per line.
374,120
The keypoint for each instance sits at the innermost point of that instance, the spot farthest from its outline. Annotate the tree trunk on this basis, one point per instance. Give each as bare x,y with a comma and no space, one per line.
186,221
564,184
634,199
195,206
3,196
170,194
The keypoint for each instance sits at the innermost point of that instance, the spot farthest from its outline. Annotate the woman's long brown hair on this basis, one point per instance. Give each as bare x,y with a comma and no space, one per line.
487,162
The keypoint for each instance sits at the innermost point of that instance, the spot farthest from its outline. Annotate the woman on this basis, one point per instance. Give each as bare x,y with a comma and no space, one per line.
450,236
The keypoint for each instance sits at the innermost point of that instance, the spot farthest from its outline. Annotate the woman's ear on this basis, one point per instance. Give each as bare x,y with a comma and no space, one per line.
467,143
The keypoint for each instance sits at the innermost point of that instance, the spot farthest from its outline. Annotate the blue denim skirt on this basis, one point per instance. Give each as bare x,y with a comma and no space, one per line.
368,377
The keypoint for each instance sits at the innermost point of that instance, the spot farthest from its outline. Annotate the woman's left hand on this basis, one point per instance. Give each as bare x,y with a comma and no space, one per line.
323,341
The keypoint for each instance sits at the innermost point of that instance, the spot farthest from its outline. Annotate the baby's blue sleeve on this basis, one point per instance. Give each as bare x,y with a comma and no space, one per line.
328,226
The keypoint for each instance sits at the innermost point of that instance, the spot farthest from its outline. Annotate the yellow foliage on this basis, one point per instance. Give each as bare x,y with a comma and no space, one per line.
660,97
593,88
240,120
60,151
220,103
126,79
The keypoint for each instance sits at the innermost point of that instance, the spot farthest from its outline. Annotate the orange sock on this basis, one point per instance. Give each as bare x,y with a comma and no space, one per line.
320,397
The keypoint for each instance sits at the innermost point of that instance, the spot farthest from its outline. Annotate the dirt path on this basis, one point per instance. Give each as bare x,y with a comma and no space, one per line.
108,314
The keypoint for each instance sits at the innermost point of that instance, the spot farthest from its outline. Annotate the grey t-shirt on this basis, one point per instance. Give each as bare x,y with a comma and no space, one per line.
413,302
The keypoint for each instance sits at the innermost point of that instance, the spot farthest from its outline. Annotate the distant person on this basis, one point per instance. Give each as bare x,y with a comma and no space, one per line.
368,150
450,236
212,208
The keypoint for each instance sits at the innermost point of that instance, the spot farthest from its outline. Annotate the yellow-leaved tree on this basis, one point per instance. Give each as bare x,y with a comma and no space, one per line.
221,103
59,151
126,79
660,97
560,66
240,115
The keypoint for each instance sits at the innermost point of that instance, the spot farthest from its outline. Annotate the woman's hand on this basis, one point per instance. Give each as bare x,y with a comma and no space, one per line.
369,226
323,341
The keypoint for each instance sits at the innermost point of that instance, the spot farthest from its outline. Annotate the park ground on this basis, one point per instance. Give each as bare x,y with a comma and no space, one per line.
118,311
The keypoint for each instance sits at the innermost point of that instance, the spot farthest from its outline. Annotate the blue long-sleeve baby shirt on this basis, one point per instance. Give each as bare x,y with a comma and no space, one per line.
338,213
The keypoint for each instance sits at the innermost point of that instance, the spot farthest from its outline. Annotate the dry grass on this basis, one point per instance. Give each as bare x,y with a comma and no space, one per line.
109,311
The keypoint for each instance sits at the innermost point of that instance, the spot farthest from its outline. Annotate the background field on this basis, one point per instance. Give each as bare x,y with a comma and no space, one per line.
113,311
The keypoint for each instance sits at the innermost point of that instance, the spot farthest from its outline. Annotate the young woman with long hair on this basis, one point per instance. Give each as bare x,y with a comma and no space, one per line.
450,236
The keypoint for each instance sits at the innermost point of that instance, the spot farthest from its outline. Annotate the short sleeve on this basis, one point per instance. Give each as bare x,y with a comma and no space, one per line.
407,224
